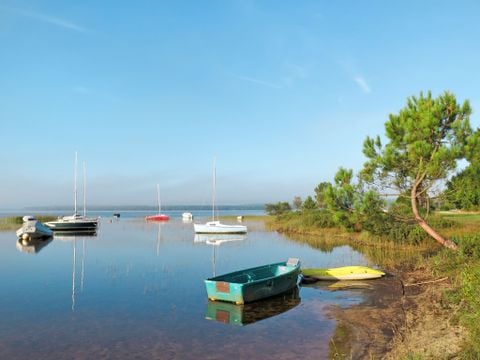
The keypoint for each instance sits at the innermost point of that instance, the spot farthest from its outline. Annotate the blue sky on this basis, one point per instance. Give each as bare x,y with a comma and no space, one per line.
283,93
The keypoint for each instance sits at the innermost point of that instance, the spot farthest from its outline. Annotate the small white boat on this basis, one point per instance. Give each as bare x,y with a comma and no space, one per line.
215,226
187,216
32,229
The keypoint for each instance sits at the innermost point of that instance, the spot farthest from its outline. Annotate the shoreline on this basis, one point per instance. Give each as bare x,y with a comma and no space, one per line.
401,318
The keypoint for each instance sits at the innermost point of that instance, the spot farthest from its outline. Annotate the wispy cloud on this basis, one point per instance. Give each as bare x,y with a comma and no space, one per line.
258,81
362,83
49,19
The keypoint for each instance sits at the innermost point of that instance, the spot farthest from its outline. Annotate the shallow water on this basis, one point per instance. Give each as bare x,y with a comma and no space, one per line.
135,290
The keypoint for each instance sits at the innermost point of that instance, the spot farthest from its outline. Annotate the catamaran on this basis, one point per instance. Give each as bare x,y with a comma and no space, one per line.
215,226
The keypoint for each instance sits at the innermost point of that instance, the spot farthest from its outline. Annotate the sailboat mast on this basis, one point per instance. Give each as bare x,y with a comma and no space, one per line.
84,189
158,198
214,188
75,183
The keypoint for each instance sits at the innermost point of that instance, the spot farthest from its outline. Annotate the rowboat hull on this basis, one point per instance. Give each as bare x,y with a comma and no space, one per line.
254,284
344,273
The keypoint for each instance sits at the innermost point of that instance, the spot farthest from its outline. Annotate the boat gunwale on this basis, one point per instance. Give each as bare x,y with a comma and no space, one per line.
254,281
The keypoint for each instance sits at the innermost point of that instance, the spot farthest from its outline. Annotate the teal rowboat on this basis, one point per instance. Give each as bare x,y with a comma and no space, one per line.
254,284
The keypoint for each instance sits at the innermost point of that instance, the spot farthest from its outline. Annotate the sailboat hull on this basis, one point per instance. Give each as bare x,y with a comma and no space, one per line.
73,223
215,227
159,217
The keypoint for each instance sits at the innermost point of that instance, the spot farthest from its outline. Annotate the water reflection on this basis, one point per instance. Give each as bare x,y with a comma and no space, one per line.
74,237
32,246
215,240
250,313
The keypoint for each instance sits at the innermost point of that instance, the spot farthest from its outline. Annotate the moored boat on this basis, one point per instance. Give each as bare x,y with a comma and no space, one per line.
187,216
215,226
74,222
159,216
254,284
32,229
344,273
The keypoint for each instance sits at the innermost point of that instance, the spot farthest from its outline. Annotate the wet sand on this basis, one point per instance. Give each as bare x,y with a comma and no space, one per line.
398,319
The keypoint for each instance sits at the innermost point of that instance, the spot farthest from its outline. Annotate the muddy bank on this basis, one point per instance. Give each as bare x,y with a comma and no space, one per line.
402,315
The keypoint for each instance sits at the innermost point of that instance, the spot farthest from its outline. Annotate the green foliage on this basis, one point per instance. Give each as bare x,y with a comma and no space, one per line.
353,208
320,194
278,208
463,190
309,204
304,221
425,140
463,267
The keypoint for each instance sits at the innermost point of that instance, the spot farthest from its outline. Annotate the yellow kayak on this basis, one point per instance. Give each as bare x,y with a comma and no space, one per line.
344,273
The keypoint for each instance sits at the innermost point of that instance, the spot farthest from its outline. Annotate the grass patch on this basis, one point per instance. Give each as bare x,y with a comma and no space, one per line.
15,222
461,267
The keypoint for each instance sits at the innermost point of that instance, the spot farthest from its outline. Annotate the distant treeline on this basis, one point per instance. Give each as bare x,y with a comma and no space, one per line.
150,207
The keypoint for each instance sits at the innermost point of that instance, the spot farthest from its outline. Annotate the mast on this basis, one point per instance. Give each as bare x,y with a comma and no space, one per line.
75,183
84,190
158,198
214,188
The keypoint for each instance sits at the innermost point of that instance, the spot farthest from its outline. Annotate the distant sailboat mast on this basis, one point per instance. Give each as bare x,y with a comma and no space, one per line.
214,195
75,183
158,199
84,190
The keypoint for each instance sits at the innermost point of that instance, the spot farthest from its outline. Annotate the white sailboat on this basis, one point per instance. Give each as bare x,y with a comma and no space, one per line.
215,226
75,222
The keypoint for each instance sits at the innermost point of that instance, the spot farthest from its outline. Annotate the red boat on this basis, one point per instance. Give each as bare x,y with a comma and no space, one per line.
159,216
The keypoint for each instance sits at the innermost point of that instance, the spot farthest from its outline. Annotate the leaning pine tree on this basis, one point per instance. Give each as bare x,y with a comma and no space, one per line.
425,141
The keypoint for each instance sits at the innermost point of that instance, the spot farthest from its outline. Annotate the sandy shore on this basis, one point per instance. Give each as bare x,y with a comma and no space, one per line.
402,316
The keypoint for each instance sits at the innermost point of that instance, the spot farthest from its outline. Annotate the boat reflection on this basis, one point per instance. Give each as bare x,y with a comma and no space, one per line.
32,246
216,240
74,236
229,313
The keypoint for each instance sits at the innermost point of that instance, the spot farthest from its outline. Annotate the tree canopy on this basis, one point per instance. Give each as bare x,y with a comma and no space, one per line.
425,141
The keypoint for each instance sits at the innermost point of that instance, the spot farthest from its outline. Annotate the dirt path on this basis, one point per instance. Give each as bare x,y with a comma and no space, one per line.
402,316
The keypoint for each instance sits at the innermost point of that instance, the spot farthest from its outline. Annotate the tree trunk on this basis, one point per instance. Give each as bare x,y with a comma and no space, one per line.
428,229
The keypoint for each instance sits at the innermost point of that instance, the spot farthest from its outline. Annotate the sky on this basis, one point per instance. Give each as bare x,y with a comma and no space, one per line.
280,93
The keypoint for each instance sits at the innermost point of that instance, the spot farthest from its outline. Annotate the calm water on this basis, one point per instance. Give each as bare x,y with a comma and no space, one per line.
135,291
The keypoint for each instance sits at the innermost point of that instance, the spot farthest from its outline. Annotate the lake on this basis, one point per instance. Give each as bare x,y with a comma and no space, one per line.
136,291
